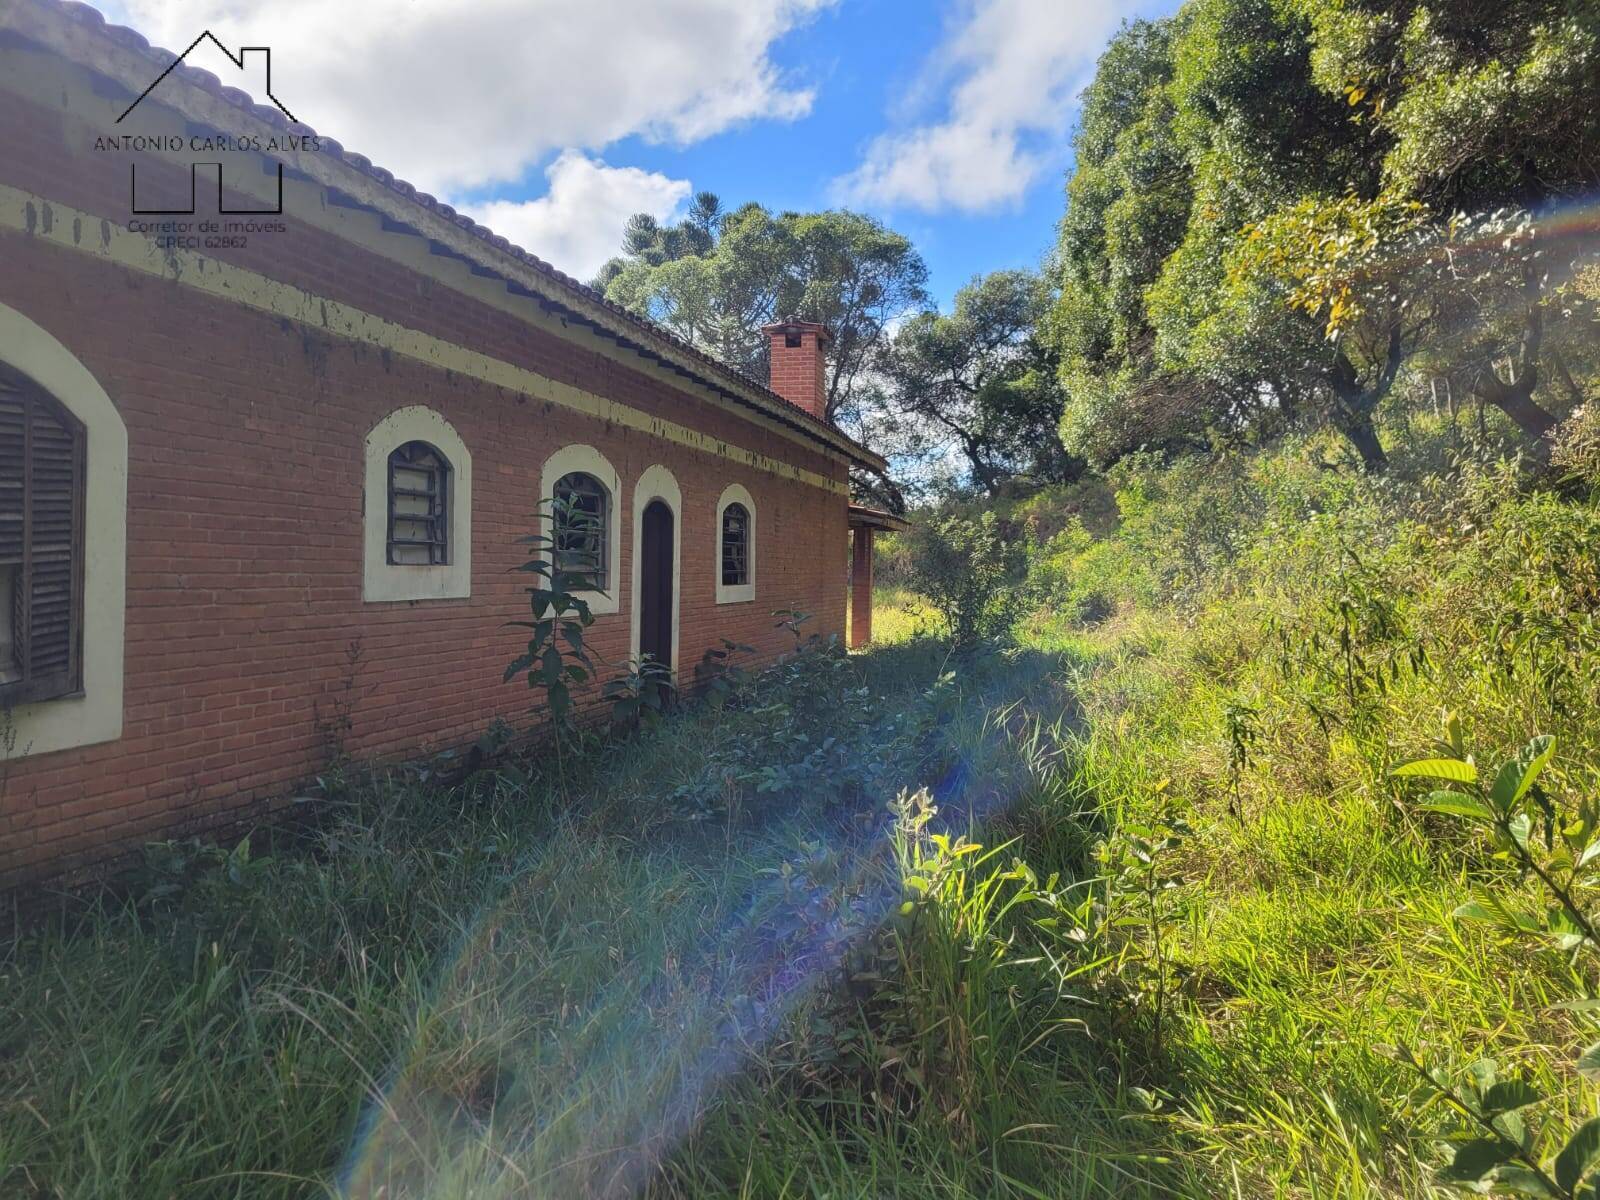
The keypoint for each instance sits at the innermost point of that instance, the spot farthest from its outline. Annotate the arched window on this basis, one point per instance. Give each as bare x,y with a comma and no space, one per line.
582,529
735,546
579,512
41,544
61,402
416,540
419,504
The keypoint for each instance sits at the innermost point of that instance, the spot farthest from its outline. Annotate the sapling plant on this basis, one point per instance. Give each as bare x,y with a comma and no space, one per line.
792,619
1139,876
557,657
718,674
1240,723
1509,809
1499,1148
1358,650
640,695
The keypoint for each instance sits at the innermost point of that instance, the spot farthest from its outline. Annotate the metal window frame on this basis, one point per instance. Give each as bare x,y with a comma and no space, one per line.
596,560
438,497
738,549
66,684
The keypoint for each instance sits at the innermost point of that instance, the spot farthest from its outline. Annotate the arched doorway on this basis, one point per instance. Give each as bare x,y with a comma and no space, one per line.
656,599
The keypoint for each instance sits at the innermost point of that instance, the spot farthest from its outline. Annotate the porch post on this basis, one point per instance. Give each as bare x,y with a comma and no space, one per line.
861,587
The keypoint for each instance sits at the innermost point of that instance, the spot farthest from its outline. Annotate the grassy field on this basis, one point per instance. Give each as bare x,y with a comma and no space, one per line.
527,985
1130,906
1280,640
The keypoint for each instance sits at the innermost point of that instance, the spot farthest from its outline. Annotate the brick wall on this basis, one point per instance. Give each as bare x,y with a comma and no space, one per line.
247,638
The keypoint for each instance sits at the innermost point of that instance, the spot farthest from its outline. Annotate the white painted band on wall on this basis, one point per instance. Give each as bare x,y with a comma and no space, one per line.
70,229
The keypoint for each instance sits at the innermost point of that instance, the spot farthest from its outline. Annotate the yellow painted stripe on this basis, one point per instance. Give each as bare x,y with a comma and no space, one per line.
60,225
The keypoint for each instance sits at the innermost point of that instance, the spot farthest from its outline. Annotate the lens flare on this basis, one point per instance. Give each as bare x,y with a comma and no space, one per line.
610,1054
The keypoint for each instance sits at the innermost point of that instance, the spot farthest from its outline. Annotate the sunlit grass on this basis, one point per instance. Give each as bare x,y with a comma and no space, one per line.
705,962
899,615
528,987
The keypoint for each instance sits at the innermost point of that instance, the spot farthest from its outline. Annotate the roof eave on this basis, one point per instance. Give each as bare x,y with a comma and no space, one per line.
126,57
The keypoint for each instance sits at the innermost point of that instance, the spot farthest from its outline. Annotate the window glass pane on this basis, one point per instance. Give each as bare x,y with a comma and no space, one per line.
735,546
581,522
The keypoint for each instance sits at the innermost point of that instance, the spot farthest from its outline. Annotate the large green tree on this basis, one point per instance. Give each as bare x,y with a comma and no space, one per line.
1231,127
1279,204
1487,118
716,277
979,379
1128,207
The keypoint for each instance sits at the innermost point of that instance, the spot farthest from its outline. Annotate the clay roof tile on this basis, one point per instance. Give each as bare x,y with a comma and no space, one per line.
87,15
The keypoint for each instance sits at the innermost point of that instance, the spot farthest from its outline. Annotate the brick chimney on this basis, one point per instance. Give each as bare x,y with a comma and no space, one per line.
797,369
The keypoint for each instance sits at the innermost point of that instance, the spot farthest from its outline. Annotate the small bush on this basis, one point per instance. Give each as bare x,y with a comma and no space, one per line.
971,572
1577,447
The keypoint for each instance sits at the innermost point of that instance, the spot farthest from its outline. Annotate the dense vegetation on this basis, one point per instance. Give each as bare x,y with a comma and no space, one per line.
1340,960
1217,815
1327,336
536,981
1128,901
1281,208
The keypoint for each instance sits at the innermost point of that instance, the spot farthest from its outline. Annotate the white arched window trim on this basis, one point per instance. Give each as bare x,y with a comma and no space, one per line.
657,483
384,582
591,462
735,593
96,715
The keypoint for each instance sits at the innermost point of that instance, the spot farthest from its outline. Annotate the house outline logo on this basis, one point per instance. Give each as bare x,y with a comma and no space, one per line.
238,61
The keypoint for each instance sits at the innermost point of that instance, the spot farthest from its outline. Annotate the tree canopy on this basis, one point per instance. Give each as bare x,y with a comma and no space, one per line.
979,379
715,278
1280,205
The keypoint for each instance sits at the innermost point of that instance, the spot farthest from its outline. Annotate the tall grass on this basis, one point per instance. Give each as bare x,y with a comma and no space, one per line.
1311,630
1129,907
486,990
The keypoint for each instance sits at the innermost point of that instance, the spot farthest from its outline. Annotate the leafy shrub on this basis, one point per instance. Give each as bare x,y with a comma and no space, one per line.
891,561
1577,446
971,573
640,694
1501,1137
809,726
1077,577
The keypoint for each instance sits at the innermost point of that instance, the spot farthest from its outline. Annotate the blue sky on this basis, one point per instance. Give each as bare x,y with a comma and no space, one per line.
861,57
551,121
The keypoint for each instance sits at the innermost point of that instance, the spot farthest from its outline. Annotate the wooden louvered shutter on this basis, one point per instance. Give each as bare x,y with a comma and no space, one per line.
41,542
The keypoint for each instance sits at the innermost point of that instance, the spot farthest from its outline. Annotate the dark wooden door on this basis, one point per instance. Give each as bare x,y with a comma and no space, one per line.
655,585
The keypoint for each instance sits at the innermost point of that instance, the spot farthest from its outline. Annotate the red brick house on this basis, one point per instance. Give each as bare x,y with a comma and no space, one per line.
264,464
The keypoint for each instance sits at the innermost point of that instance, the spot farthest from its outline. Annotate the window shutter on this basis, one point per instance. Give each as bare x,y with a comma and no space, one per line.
41,537
582,528
13,419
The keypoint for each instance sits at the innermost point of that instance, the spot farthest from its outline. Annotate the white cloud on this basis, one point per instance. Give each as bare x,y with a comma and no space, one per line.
456,97
577,223
1012,69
